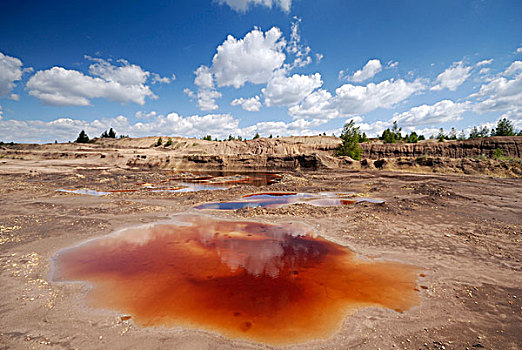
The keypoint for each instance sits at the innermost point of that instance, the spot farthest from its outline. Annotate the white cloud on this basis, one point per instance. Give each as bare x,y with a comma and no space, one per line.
248,104
392,64
351,100
122,83
158,79
501,93
485,62
207,94
519,50
316,106
1,112
251,59
189,93
297,49
452,77
145,115
62,87
10,72
217,125
440,112
65,129
244,5
369,70
484,70
204,78
513,68
207,99
287,91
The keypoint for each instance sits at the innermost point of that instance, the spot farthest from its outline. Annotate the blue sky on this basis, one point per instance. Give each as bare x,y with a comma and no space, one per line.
281,67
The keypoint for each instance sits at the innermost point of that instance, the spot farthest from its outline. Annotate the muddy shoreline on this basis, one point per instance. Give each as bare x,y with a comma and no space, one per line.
464,231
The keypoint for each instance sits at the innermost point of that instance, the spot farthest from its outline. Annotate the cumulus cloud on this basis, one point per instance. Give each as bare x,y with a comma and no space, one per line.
515,67
452,77
251,59
502,93
519,50
484,62
351,100
10,72
145,115
217,125
248,104
207,99
440,112
244,5
207,94
123,82
316,106
287,91
369,70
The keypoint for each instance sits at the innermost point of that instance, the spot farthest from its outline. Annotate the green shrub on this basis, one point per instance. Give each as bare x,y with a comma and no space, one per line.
350,142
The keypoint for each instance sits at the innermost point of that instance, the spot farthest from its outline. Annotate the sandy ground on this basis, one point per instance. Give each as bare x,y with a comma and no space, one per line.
464,231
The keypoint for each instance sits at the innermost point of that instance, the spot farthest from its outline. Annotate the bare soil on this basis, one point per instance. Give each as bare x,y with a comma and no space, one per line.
463,230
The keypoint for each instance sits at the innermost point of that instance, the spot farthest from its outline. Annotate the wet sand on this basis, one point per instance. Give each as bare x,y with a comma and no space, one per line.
463,231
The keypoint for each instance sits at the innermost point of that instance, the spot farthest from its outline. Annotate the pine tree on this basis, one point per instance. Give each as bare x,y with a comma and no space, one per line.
504,128
112,134
82,137
350,142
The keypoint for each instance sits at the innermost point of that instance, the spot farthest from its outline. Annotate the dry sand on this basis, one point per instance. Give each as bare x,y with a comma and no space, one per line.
464,231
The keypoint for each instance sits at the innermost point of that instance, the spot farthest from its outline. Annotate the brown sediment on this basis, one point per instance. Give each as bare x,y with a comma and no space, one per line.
276,284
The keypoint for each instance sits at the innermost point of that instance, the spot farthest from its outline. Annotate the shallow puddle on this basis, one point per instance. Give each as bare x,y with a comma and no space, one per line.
281,199
85,192
276,284
189,182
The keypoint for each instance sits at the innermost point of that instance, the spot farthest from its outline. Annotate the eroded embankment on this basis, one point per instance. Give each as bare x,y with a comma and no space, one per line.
510,146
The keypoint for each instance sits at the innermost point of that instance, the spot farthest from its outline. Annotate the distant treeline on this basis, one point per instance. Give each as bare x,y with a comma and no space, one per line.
391,135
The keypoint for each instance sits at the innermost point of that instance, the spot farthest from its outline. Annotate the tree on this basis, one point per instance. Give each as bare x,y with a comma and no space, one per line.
256,136
169,142
159,142
112,134
350,141
388,136
412,137
440,136
364,138
504,128
396,131
474,134
207,138
452,134
270,136
82,137
230,138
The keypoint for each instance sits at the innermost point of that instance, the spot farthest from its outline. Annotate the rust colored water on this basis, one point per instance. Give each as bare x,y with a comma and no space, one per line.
270,283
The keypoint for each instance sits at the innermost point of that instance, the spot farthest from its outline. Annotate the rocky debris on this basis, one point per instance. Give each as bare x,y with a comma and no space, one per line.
511,146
